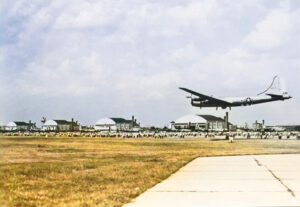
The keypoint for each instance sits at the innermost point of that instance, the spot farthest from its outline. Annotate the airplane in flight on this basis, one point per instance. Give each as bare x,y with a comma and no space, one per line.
272,93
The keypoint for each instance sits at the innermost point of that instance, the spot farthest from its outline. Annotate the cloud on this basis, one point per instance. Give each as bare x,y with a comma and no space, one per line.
121,58
65,76
84,14
272,32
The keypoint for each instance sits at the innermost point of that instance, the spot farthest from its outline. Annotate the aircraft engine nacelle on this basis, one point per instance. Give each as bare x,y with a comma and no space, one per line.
198,99
248,101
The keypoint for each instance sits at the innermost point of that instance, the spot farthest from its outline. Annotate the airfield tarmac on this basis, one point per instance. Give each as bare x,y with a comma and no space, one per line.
255,180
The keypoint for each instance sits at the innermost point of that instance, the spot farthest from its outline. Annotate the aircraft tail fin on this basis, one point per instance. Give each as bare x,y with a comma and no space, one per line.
274,88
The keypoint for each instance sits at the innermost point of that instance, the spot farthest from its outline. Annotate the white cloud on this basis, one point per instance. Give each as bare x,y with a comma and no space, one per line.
80,76
185,53
85,14
148,88
100,54
272,32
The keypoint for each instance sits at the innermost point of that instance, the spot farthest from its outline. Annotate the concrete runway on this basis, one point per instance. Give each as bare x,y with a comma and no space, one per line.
256,180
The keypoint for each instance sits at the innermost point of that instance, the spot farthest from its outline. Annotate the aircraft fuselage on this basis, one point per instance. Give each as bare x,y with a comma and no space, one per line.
272,93
238,101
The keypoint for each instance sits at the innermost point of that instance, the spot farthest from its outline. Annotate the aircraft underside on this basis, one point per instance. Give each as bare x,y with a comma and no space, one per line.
248,102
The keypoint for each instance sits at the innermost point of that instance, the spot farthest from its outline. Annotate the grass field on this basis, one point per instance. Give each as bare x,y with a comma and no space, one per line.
102,171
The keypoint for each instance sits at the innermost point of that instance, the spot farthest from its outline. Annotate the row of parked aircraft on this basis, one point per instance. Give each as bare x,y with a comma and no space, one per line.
272,93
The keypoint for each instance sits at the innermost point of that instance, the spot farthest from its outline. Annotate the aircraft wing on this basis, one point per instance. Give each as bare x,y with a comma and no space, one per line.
214,100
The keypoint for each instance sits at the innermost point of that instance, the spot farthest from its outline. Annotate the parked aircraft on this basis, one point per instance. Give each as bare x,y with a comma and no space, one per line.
272,93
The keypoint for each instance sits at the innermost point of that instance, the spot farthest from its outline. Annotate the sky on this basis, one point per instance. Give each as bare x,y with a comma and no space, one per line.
88,59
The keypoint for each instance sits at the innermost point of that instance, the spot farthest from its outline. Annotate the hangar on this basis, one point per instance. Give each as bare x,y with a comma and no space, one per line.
116,124
19,126
196,122
60,125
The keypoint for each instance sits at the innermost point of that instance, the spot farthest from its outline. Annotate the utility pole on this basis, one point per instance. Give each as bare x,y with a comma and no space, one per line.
227,120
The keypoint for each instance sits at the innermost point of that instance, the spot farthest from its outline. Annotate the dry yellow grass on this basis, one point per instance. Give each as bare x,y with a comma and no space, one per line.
102,171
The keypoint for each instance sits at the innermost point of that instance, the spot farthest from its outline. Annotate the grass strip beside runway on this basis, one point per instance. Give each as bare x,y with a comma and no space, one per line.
104,171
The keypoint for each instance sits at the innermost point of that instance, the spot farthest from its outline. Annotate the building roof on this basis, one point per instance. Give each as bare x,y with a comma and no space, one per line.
113,121
21,123
192,118
197,119
121,120
105,121
58,122
17,123
62,121
211,118
50,123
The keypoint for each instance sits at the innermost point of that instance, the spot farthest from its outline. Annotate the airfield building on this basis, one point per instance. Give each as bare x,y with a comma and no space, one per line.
199,123
287,128
20,126
257,126
117,124
2,127
60,125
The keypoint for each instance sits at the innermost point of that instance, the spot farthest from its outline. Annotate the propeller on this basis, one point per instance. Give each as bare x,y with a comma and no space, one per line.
190,97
